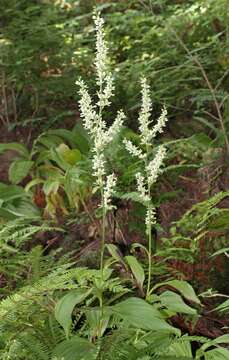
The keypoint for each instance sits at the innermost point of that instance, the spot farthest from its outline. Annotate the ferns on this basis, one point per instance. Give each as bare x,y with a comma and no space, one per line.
116,346
29,313
21,230
34,343
20,265
195,225
27,328
91,322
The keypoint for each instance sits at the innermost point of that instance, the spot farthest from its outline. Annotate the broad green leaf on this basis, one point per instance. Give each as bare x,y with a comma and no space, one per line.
50,141
183,287
42,156
113,250
77,137
51,186
224,307
75,349
138,245
10,192
97,321
58,158
136,269
217,354
6,214
24,209
32,183
138,313
20,148
174,302
65,306
63,134
73,175
224,339
81,139
50,171
70,156
19,169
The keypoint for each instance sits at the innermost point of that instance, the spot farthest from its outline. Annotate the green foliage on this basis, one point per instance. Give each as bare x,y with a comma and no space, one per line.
52,167
50,309
16,203
196,224
46,41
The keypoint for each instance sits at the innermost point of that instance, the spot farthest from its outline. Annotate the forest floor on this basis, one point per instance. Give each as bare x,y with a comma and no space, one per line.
196,185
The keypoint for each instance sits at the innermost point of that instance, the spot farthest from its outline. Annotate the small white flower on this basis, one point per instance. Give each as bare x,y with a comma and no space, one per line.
87,111
153,168
116,126
150,218
100,139
106,93
161,122
133,149
146,133
145,113
109,191
98,165
92,115
141,187
101,59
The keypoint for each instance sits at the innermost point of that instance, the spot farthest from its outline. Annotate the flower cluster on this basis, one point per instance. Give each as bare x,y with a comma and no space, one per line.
91,114
87,110
133,149
109,191
98,165
141,187
150,218
101,59
145,113
161,122
146,133
153,168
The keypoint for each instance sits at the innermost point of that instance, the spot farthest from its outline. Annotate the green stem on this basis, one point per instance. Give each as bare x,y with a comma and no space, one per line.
102,249
102,246
149,232
102,243
149,256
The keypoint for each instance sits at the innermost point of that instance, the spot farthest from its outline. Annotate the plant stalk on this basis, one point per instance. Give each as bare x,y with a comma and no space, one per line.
150,256
102,245
149,232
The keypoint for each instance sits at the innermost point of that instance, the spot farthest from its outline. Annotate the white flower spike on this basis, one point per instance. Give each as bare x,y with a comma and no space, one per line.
141,187
92,114
133,150
109,191
154,167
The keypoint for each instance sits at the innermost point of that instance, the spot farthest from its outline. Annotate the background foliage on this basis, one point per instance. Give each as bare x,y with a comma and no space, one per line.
49,221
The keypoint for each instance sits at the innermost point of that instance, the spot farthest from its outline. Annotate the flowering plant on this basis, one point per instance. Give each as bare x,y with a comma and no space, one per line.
152,168
93,120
